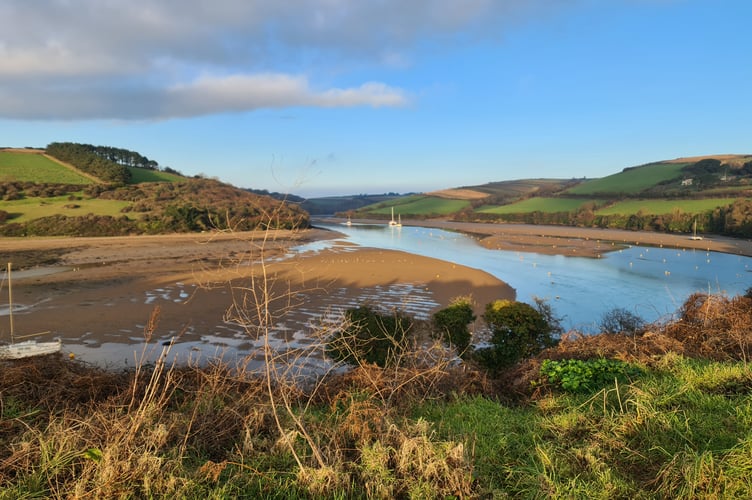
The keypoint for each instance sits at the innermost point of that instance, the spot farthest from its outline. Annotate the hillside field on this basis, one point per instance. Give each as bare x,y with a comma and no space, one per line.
538,205
630,181
139,175
420,206
31,208
37,168
660,207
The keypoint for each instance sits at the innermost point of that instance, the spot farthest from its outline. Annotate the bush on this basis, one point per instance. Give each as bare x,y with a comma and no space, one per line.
518,331
576,375
450,324
369,336
620,320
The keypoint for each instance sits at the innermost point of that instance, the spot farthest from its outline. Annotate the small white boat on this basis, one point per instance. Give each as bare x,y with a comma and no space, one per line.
395,223
27,348
694,232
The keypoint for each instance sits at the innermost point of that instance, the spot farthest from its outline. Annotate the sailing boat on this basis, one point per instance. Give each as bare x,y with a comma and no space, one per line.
393,222
27,348
694,232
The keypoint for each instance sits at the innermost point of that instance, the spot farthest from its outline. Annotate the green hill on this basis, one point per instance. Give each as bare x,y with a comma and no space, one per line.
34,166
713,191
43,195
631,181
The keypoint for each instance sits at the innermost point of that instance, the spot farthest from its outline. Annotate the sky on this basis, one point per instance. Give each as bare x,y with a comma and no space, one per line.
336,97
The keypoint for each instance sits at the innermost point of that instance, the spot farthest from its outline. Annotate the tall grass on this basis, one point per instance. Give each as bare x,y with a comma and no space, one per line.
421,427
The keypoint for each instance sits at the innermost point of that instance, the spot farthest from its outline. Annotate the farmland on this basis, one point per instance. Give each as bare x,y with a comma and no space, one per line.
630,181
660,207
538,205
139,175
31,167
421,206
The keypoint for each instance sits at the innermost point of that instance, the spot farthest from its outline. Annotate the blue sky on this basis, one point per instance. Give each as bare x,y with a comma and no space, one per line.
328,97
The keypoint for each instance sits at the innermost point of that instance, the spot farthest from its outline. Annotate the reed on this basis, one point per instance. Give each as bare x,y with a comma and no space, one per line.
422,426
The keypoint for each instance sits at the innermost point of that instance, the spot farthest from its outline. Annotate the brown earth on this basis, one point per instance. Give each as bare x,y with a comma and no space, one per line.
103,291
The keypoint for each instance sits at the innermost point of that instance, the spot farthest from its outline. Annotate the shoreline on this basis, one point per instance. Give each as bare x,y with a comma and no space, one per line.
109,289
572,241
115,295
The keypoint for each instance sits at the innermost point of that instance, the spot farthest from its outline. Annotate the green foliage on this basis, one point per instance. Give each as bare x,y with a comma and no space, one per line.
576,375
370,336
518,331
85,159
451,323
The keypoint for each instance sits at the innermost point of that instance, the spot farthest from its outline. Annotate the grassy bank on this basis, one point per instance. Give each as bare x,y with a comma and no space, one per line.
674,421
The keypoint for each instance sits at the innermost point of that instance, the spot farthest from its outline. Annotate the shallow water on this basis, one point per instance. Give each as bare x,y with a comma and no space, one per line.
651,282
648,281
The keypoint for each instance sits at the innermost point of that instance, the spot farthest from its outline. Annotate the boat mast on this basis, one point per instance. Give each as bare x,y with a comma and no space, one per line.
10,304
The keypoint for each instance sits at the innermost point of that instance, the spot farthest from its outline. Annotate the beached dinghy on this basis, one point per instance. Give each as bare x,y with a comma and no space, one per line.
27,348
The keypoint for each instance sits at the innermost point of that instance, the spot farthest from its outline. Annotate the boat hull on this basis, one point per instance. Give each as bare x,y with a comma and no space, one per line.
29,348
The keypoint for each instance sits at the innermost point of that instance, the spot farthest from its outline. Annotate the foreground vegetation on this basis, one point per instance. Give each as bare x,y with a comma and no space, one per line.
662,411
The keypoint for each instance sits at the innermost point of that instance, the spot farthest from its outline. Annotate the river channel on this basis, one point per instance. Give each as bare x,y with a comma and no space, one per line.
648,281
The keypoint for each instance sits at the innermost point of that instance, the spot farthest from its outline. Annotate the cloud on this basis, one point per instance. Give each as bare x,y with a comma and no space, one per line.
141,59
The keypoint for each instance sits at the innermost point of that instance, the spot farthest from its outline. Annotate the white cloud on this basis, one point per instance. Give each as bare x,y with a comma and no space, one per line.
139,59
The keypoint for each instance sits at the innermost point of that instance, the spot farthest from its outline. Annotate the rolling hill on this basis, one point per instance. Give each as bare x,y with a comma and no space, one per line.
44,195
668,195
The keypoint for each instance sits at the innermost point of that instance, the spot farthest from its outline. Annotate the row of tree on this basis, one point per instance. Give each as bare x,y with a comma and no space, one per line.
730,220
123,156
85,159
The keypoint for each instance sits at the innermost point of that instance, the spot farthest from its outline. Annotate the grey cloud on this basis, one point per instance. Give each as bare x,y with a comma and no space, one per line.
143,59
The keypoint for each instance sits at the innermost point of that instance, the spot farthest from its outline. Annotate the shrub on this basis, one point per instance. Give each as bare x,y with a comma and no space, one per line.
450,324
517,331
620,320
370,336
576,375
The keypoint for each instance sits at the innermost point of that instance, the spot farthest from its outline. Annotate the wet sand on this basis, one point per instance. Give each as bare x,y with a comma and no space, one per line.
579,241
204,288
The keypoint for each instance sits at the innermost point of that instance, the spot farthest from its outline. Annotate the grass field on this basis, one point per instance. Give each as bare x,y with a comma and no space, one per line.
659,207
537,205
30,167
422,205
632,181
139,175
28,209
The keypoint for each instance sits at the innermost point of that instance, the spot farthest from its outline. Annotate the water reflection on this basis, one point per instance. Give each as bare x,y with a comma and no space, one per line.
651,282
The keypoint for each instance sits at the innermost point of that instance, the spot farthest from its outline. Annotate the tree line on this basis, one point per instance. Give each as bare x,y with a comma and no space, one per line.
84,158
734,219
